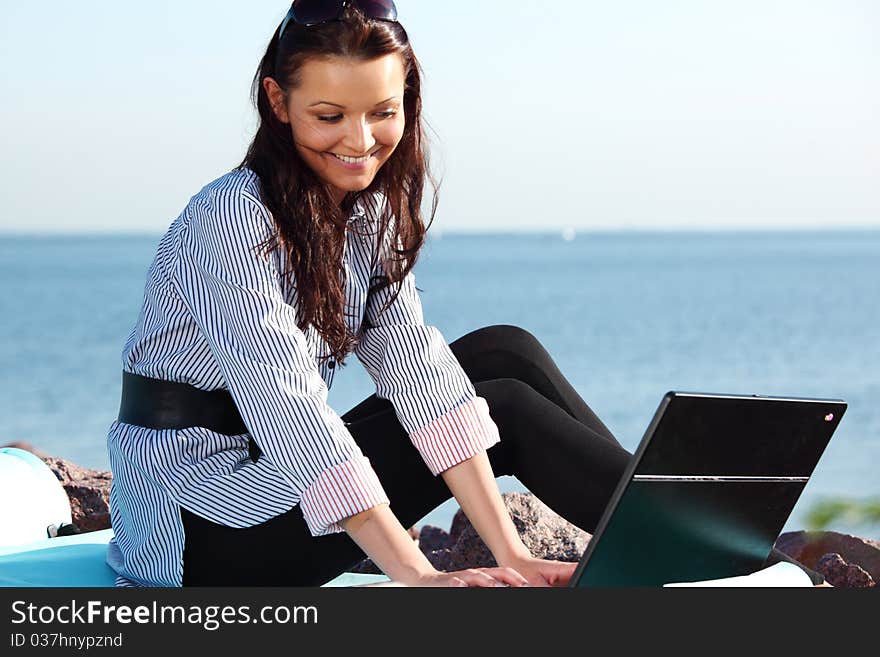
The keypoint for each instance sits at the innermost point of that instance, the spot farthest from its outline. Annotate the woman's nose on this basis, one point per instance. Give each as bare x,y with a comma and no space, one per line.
360,137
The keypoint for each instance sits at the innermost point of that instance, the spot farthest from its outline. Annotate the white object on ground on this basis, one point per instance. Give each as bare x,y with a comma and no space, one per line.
780,575
32,498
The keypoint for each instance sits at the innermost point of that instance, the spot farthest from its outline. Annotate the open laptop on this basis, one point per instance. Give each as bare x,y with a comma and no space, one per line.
708,490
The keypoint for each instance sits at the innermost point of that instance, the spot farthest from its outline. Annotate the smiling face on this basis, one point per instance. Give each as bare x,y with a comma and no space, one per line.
346,117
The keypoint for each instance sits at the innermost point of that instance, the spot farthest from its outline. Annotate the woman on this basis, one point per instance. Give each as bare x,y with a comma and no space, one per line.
229,466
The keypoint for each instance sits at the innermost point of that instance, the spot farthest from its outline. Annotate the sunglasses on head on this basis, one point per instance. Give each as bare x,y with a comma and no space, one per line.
314,12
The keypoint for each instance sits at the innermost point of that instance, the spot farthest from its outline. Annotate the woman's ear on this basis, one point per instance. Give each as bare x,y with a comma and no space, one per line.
276,99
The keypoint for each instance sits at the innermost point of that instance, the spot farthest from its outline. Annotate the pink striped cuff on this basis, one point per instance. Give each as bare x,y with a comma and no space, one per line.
339,492
456,436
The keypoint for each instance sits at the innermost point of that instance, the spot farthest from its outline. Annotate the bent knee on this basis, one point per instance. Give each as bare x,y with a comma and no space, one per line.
502,336
505,395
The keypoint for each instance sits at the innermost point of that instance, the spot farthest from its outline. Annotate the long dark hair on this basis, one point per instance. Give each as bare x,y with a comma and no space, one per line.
310,227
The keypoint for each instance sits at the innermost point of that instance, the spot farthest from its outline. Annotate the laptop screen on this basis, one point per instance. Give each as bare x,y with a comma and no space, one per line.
709,488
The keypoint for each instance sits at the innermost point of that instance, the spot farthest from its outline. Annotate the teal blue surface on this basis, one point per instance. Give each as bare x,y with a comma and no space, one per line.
64,561
78,560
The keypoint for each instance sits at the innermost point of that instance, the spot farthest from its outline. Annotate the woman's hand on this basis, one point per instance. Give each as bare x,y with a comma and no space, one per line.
543,572
483,577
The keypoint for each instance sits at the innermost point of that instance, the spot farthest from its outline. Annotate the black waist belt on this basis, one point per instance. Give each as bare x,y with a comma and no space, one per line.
158,404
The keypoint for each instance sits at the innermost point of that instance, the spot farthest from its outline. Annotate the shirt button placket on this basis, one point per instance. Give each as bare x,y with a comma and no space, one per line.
362,216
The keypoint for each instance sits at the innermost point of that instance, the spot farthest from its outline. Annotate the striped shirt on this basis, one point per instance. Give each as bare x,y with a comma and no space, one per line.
216,315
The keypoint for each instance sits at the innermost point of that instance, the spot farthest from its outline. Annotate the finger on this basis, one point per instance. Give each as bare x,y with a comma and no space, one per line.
518,578
478,578
457,581
509,576
560,574
541,580
553,574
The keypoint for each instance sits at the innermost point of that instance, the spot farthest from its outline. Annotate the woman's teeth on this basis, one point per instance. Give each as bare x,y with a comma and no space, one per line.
352,160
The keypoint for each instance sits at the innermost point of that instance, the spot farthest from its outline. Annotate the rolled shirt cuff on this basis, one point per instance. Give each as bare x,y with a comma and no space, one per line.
339,492
456,436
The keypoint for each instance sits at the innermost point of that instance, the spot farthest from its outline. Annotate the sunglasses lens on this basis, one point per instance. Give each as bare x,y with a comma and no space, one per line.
311,12
379,9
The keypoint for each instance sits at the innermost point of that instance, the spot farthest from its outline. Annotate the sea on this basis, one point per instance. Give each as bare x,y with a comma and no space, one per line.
627,316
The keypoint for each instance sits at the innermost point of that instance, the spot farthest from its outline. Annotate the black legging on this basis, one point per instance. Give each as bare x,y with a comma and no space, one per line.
550,440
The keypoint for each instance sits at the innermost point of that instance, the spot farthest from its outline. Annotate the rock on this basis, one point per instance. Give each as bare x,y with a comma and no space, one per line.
88,492
441,559
28,448
544,533
841,574
809,547
433,538
459,523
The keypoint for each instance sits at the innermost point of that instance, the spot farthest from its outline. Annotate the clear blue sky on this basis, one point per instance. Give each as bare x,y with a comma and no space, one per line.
582,114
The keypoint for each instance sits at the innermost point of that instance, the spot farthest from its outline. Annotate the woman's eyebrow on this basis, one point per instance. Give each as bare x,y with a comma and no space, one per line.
325,102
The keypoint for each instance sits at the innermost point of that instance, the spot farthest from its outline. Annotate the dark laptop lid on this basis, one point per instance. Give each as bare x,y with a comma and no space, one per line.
709,489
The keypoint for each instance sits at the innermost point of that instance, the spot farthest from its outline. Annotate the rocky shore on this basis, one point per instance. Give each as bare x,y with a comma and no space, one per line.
845,561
